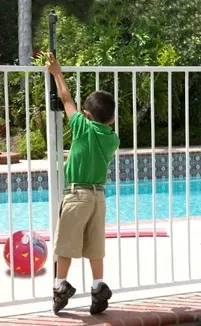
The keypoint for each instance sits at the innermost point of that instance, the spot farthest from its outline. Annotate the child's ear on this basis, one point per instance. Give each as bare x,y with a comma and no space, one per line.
84,112
88,115
112,121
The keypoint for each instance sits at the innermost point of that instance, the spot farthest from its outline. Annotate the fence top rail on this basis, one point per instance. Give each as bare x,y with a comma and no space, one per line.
8,68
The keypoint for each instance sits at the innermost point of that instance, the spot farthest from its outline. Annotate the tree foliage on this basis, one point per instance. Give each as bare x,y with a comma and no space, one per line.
8,31
124,33
111,36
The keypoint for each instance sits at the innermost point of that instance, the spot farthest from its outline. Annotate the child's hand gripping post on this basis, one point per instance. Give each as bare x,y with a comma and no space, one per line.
54,68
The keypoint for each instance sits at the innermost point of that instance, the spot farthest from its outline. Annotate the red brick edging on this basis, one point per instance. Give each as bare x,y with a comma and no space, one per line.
14,157
155,312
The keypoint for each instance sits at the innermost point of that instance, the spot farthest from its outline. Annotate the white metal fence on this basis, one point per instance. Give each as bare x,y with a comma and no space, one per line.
56,182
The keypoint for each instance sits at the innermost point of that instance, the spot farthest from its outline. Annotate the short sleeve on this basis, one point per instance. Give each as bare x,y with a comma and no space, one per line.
79,124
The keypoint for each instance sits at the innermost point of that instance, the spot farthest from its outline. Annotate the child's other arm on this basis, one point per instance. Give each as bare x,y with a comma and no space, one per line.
63,90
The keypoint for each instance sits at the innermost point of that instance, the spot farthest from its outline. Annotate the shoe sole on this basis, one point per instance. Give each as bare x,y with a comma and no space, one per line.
69,295
103,302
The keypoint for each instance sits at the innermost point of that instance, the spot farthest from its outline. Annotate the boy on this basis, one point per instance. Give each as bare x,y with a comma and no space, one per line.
81,225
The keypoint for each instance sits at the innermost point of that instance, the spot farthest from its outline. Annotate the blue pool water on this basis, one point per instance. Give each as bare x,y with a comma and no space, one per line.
41,214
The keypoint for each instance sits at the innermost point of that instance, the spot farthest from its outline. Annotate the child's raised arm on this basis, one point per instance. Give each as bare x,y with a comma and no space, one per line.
63,91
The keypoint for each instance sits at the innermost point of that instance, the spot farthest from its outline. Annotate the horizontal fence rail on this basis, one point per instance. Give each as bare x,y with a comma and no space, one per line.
104,69
136,247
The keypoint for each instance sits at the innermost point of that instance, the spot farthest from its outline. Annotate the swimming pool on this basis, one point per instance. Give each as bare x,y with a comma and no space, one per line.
40,203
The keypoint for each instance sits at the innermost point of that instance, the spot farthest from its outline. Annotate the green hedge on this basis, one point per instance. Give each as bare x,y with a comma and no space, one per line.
38,147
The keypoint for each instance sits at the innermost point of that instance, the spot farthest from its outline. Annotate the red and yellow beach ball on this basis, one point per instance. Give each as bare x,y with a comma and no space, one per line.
22,253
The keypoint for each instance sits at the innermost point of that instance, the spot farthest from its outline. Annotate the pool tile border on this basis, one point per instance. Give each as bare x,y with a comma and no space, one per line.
126,169
19,181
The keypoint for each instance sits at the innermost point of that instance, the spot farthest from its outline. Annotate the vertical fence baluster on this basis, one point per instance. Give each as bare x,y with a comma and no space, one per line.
153,173
136,175
10,215
116,92
29,181
187,171
170,171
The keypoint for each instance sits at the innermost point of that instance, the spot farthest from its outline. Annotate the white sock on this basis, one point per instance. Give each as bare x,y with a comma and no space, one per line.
58,282
96,282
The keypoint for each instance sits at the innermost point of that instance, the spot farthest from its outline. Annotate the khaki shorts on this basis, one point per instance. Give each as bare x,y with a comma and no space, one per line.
80,229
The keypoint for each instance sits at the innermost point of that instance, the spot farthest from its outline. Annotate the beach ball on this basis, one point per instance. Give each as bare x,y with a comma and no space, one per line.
21,252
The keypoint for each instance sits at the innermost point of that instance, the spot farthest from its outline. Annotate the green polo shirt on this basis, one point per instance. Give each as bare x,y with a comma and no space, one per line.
93,148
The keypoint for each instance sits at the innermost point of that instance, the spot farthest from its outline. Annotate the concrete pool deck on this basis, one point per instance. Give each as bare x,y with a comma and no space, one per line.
36,165
43,282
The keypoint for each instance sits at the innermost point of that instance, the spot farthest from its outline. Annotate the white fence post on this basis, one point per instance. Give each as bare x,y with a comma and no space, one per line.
52,165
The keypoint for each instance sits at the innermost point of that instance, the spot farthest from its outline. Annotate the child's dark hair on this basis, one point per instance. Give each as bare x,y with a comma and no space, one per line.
101,105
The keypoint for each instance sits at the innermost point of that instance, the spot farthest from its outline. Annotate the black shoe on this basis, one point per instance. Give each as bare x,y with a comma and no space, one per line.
61,296
100,297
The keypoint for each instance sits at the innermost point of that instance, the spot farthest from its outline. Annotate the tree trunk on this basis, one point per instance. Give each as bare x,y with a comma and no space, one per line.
37,117
25,31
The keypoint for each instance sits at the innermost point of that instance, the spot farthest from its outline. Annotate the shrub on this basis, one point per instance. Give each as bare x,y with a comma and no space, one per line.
2,121
3,148
38,147
2,127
